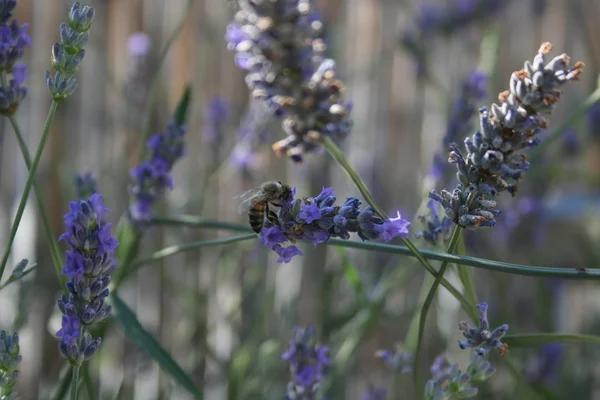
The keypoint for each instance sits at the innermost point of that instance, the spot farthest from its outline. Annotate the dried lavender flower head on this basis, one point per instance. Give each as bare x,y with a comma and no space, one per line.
13,40
281,45
495,160
67,55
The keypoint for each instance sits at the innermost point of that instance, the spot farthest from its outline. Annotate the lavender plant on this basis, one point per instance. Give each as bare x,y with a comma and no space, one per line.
152,177
13,40
317,219
309,364
68,54
88,267
448,381
281,45
10,358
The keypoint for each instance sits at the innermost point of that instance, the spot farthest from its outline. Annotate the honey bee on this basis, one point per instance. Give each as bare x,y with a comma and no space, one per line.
256,202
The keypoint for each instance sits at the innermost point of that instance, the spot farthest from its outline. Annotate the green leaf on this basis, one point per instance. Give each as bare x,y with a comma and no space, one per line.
19,272
539,339
132,328
465,273
181,111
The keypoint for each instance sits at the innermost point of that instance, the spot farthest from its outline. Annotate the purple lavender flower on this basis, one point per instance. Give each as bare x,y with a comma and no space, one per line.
309,363
570,143
397,360
139,44
375,393
9,362
482,339
544,367
13,40
593,117
448,381
316,219
437,228
12,96
281,45
215,115
88,266
152,177
85,185
68,54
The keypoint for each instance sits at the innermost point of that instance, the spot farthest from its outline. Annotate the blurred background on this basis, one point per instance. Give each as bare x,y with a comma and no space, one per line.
226,313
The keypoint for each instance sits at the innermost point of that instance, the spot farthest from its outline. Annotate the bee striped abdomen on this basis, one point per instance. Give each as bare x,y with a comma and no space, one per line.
256,215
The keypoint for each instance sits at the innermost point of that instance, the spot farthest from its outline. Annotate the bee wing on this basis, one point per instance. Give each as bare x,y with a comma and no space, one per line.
246,197
248,193
245,206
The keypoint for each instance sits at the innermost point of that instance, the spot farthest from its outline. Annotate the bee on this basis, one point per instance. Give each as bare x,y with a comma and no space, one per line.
256,202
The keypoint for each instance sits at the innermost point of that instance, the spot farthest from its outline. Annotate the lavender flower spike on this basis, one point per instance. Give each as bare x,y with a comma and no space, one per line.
495,159
68,54
448,381
281,45
153,176
9,362
397,360
316,219
309,363
13,40
482,339
88,266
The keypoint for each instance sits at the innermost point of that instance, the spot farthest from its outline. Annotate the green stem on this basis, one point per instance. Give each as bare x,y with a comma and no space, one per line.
429,299
28,184
516,269
579,111
466,274
170,251
87,381
75,383
155,80
62,390
54,250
